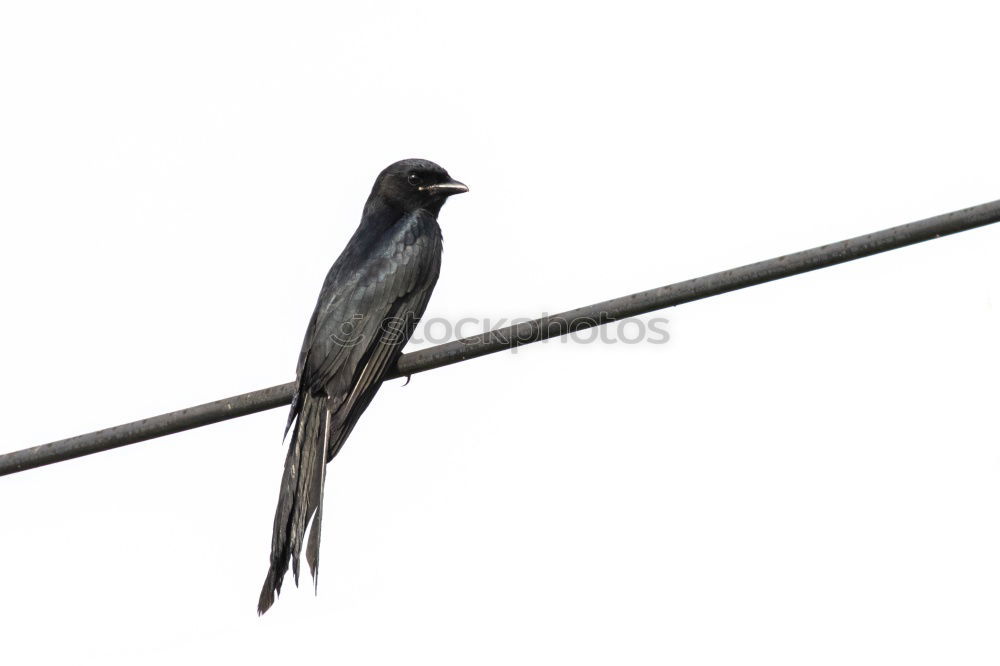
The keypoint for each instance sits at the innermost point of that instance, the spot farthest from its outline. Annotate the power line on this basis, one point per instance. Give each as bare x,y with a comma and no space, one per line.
520,334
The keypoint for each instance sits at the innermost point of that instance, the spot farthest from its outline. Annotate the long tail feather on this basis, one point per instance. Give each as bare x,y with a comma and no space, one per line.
299,497
312,550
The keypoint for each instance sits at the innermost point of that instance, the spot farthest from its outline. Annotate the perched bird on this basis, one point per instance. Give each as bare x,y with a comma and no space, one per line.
368,307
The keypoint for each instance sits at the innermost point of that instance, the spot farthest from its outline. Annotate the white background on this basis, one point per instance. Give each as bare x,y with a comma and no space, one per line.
808,472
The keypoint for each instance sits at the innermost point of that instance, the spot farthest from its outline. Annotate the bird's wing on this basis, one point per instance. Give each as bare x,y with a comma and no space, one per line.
364,320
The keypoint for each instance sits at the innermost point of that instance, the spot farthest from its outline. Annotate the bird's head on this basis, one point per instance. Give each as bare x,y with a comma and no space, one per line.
414,183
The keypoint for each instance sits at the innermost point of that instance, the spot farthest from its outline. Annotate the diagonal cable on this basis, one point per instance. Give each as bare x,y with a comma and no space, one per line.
519,334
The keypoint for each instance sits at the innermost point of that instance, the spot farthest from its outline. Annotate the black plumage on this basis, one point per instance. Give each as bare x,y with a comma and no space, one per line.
368,307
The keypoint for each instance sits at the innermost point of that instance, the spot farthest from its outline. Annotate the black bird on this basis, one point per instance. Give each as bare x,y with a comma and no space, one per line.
369,305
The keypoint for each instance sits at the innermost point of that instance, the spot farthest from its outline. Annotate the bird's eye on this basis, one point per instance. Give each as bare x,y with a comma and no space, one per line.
414,179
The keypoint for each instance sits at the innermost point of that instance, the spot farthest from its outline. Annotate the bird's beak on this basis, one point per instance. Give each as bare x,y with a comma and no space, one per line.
447,189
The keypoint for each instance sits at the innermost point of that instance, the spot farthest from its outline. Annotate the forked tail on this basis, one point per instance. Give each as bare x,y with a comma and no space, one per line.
300,497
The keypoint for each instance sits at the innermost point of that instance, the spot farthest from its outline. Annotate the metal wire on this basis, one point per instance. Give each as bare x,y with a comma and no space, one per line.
520,334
